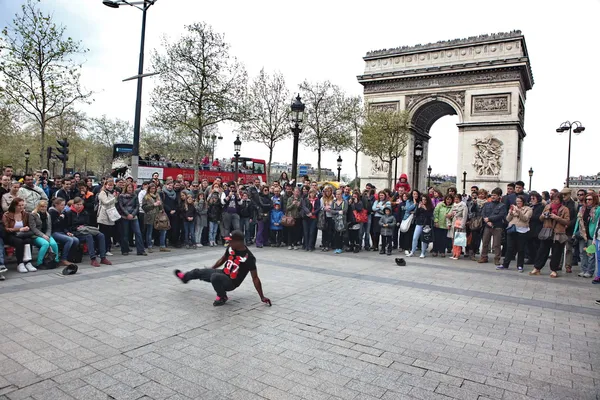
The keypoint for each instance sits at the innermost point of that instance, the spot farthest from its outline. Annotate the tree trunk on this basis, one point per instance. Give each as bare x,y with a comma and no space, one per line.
356,180
42,140
197,155
390,184
269,165
319,161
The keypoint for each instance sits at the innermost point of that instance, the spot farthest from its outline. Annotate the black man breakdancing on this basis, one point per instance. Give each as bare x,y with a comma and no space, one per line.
238,262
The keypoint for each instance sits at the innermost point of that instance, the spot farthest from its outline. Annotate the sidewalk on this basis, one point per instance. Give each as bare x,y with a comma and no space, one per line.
349,326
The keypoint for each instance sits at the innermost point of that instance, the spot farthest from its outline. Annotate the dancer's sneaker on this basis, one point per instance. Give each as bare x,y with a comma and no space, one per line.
219,301
179,275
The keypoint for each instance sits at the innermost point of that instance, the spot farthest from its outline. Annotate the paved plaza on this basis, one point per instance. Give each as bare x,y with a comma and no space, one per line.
352,326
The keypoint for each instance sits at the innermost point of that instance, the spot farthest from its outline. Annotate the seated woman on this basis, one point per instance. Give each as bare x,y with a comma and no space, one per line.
77,223
41,226
18,234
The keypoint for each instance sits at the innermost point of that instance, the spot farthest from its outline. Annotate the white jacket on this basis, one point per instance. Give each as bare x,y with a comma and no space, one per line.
32,196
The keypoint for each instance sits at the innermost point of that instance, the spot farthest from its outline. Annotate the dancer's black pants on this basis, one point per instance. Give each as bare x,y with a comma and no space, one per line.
221,282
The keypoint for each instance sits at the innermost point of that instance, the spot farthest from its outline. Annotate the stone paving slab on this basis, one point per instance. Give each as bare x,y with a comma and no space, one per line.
341,327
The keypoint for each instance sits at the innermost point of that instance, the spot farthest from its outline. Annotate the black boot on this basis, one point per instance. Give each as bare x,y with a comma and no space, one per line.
382,251
389,251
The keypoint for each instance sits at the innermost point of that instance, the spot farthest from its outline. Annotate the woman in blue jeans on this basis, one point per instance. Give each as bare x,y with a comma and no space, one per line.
59,230
128,206
310,206
152,206
423,216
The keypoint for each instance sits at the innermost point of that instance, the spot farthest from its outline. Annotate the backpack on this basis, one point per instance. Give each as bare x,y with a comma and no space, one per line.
75,254
49,261
161,221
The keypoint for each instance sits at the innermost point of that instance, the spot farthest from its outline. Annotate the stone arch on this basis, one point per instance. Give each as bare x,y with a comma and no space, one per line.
482,79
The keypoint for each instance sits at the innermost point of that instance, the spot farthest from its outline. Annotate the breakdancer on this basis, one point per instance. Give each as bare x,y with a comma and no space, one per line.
238,262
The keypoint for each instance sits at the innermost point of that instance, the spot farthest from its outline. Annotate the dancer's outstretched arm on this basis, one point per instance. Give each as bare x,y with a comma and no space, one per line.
219,262
258,286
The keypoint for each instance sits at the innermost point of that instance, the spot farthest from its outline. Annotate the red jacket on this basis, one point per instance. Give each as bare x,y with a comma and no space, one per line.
404,184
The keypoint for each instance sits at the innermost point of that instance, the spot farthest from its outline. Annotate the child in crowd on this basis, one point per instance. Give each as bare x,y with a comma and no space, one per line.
387,223
189,225
276,227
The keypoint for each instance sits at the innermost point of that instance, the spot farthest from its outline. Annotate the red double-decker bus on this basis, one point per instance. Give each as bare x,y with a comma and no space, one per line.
248,168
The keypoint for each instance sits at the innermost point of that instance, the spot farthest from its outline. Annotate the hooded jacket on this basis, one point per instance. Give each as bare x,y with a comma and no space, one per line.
404,184
387,223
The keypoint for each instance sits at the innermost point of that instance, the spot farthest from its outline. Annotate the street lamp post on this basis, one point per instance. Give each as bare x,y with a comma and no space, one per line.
464,183
214,138
27,155
339,166
143,5
418,157
237,146
568,126
530,176
428,177
296,118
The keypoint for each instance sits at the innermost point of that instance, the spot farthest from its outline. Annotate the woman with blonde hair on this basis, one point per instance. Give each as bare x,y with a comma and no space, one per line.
40,223
326,219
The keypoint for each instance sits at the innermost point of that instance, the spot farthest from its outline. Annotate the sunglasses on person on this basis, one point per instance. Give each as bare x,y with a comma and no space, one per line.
589,199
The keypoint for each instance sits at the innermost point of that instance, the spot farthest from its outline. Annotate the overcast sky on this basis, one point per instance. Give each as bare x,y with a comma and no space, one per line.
326,40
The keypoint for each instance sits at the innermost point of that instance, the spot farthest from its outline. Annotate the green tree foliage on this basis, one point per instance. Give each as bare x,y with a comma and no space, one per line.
200,84
38,69
385,135
324,124
268,110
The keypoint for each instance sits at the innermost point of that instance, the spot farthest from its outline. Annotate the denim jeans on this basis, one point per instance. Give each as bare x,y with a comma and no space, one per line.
162,234
310,233
415,240
189,229
93,249
67,242
126,225
1,251
245,227
212,231
198,231
587,260
44,245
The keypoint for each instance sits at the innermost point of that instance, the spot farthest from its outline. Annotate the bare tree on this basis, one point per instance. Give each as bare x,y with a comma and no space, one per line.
105,133
40,74
200,84
325,128
268,110
385,135
353,116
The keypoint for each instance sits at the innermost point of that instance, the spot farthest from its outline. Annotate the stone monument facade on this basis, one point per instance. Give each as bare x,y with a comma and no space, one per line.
483,80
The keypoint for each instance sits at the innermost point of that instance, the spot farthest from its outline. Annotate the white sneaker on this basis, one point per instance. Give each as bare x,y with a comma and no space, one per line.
3,269
199,245
2,277
587,275
109,254
289,247
30,267
406,252
21,268
422,256
409,254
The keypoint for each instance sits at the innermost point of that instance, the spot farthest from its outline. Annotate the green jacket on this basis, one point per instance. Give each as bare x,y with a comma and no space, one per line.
595,216
439,215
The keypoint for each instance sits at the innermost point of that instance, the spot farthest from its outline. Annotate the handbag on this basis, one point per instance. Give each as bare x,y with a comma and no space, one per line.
113,214
475,223
460,239
427,234
339,223
161,221
546,233
88,230
24,235
405,225
361,216
288,221
511,229
321,221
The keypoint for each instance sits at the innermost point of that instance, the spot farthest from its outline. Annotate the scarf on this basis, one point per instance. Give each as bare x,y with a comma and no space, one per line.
44,218
170,193
554,208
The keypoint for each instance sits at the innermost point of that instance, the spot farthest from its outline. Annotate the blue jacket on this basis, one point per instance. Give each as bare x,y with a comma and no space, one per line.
408,209
276,216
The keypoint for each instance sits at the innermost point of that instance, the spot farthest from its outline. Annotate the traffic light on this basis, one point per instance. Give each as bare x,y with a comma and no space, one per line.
63,150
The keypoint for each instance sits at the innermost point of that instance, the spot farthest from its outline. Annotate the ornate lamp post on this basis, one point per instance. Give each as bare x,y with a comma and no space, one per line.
418,157
339,166
27,155
530,175
296,118
237,146
428,177
568,126
142,5
464,183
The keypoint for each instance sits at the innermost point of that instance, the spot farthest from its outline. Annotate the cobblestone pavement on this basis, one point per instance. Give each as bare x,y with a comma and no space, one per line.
341,327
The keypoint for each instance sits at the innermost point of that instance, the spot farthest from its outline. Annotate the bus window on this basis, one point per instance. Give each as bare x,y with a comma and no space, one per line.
258,168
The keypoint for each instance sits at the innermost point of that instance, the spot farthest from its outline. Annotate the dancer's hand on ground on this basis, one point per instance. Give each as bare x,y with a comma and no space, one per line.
266,301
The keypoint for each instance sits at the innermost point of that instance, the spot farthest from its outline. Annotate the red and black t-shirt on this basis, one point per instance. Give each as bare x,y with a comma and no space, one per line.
238,264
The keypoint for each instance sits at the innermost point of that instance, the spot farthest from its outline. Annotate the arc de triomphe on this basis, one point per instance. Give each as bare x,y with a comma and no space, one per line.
483,80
